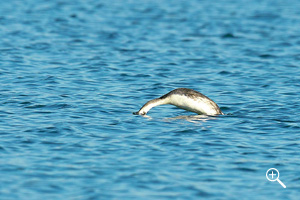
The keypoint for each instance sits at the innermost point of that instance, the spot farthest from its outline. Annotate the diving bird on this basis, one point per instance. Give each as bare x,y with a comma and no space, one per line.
186,99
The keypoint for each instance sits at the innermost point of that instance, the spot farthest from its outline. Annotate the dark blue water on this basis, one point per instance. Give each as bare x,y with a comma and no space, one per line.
72,73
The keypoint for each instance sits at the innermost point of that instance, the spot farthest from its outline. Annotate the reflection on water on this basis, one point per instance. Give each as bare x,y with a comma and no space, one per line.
192,118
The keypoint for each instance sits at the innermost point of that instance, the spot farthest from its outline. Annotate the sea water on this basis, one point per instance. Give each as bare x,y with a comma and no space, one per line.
72,73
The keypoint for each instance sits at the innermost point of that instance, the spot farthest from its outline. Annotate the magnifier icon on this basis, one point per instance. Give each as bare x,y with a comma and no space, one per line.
273,175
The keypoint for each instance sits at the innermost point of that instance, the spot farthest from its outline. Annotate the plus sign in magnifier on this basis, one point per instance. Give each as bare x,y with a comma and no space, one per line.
273,175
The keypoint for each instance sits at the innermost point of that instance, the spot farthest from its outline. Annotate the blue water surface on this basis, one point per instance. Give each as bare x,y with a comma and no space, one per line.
72,73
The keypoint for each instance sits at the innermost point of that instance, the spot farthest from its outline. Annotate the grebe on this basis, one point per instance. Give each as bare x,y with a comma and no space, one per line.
186,99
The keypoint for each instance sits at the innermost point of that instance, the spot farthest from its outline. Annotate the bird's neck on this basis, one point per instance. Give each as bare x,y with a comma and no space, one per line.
152,103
